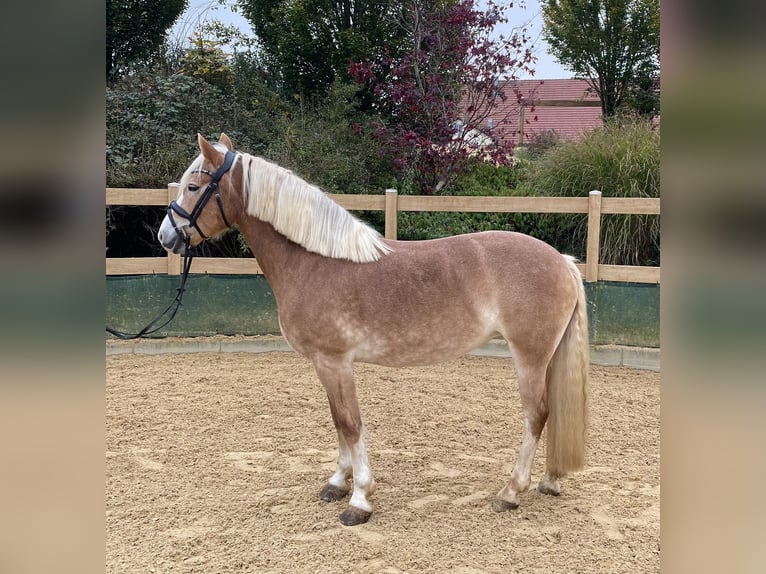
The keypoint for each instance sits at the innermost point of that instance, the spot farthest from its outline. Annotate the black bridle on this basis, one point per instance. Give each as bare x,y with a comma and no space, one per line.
212,188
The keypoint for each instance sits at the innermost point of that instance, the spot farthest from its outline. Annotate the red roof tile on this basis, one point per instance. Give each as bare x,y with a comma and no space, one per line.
551,89
568,122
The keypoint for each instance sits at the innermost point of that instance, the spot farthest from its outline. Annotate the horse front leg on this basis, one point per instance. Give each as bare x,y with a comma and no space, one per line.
337,486
337,378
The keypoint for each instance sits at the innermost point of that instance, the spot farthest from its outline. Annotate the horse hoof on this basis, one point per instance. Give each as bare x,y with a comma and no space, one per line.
353,516
548,489
331,493
500,505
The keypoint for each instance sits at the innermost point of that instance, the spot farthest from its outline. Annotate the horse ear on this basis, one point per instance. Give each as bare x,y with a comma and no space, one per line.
211,154
224,139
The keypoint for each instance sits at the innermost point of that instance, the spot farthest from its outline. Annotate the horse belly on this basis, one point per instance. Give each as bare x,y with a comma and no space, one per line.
415,341
425,355
387,335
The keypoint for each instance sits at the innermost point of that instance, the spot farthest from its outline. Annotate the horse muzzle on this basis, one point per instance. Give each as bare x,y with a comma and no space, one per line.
170,238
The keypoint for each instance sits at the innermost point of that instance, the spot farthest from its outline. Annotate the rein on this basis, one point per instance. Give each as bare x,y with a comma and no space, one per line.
176,304
173,308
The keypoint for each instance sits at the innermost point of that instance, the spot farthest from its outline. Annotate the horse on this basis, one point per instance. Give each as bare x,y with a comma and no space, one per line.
345,294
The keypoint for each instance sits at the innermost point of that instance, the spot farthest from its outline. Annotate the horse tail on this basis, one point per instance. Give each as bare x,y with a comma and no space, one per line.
566,382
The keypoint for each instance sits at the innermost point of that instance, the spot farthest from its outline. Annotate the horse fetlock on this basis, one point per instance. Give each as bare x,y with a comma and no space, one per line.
505,500
354,516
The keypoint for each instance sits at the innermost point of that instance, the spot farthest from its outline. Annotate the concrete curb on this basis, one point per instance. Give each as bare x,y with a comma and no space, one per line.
603,355
645,358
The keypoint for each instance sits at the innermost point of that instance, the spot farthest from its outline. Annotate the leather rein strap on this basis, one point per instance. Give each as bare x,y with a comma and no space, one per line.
173,308
175,305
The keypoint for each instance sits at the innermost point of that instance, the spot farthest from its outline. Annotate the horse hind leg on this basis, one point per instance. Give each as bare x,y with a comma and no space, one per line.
337,378
533,400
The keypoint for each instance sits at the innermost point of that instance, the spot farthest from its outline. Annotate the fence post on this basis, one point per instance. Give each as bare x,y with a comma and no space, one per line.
391,213
594,236
174,261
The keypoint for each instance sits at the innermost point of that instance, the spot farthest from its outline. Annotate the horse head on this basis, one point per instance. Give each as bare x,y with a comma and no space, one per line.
190,219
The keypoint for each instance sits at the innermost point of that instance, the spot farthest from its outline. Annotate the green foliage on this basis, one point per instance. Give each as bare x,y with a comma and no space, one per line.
326,140
135,32
431,225
643,95
307,45
206,60
482,178
542,142
615,44
151,121
622,159
479,179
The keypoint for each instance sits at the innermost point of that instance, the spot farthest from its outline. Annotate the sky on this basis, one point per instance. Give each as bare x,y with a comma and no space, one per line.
546,67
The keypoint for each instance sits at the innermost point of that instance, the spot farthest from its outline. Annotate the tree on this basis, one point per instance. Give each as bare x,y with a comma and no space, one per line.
613,44
435,98
205,59
135,31
307,44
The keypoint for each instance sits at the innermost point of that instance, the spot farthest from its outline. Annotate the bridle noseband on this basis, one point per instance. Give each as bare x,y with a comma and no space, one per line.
212,188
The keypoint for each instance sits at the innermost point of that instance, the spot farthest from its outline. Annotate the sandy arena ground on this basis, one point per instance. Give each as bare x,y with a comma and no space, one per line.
215,461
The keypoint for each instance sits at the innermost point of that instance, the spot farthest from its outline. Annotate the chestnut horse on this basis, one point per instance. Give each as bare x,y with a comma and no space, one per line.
346,294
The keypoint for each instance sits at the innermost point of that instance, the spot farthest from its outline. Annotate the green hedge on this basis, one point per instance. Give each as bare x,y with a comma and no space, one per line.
621,159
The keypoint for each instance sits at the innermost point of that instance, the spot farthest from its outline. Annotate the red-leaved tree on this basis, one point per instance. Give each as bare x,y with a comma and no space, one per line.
438,99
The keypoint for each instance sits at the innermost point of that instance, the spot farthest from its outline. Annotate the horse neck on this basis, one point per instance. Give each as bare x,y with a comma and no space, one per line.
275,254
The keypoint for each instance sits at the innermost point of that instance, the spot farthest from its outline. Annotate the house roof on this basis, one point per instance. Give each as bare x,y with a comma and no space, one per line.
569,122
569,89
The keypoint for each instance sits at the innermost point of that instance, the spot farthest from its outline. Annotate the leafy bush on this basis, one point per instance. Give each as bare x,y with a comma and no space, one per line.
621,159
150,126
206,60
327,141
479,179
542,142
483,179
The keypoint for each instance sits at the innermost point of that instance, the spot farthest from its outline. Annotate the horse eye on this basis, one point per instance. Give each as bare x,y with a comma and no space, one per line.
192,187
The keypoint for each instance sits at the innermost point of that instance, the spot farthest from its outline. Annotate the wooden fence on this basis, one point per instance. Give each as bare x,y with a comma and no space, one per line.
391,203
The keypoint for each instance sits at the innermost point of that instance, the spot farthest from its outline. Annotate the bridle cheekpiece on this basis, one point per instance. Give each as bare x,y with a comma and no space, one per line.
212,188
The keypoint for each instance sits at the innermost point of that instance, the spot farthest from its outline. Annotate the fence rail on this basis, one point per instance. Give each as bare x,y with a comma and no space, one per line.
594,205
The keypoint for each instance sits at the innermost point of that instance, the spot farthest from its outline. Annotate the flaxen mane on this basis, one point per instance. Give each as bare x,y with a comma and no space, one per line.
304,214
